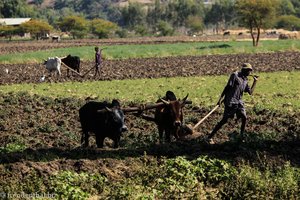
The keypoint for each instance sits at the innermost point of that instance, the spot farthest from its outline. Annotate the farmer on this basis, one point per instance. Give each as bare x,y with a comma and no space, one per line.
97,61
233,92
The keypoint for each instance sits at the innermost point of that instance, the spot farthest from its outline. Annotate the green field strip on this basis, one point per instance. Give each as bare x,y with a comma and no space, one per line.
155,50
277,90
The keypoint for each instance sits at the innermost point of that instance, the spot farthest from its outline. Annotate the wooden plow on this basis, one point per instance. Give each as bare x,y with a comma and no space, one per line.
63,64
206,116
88,71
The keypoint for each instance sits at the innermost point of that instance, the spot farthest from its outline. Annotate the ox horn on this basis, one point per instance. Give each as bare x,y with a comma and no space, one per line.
164,101
104,110
101,111
185,98
108,109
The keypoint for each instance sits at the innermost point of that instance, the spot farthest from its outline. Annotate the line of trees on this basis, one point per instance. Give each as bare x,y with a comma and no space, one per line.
104,18
77,26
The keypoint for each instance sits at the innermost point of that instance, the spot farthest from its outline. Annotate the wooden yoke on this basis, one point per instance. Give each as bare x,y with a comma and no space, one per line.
147,107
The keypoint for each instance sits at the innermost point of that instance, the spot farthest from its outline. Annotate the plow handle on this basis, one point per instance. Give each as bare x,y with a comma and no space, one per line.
213,110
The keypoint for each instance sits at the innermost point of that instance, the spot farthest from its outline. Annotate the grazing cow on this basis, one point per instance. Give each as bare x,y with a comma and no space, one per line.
292,35
72,62
53,64
169,117
55,38
226,33
104,120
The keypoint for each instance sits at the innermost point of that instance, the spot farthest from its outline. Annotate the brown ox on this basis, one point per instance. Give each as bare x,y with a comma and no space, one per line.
169,117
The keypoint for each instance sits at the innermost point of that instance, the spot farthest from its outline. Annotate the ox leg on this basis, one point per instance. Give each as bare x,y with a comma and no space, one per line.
116,142
168,135
176,131
99,141
161,133
85,139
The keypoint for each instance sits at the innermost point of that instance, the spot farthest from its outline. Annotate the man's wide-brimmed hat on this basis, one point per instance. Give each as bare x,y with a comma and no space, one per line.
247,66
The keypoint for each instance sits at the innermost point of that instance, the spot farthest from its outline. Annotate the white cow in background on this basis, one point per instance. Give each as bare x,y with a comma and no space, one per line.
53,64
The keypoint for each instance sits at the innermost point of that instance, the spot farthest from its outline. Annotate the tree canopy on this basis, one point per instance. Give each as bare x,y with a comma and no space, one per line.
255,15
103,28
36,27
157,18
16,8
76,25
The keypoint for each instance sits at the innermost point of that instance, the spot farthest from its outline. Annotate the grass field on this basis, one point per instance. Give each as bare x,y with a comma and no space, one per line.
274,90
156,50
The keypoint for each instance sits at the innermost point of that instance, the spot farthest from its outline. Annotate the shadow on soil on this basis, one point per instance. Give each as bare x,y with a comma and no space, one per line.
230,151
220,46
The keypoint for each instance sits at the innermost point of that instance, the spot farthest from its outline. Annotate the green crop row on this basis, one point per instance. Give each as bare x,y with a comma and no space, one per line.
277,90
156,50
177,178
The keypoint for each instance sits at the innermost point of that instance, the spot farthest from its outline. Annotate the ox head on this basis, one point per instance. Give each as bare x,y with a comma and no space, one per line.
175,110
115,117
68,56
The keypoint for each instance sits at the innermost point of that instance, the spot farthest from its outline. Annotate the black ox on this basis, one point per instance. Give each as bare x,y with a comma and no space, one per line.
72,62
104,120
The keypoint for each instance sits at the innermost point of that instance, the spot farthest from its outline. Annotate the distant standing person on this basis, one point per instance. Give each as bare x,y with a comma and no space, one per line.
97,61
233,93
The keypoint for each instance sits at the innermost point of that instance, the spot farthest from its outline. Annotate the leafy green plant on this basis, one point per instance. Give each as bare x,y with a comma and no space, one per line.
252,183
180,175
72,185
183,178
213,171
15,143
12,147
47,128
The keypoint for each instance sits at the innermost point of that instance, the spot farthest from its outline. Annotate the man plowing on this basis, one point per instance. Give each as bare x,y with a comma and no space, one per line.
232,98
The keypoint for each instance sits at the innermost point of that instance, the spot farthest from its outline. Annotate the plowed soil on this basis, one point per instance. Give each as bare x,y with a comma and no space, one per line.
157,67
50,130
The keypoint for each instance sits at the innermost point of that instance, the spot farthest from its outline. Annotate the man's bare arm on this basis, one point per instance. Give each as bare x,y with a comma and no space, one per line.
255,78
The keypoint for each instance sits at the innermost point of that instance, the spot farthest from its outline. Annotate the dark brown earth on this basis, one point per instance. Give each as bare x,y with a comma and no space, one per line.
158,67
